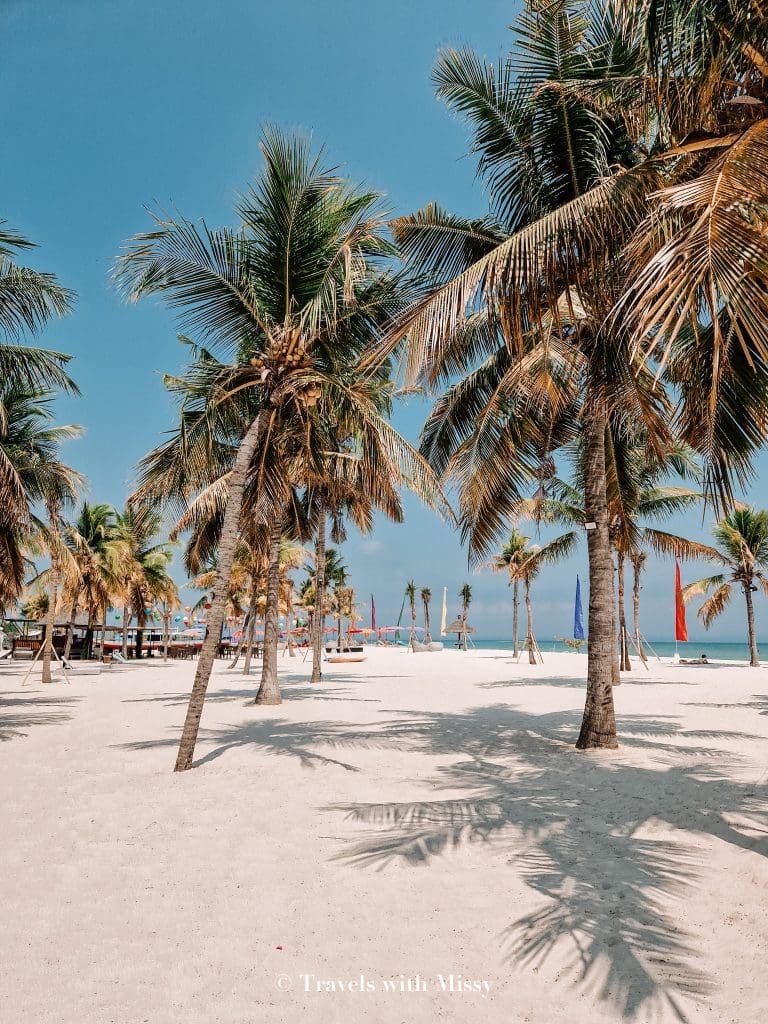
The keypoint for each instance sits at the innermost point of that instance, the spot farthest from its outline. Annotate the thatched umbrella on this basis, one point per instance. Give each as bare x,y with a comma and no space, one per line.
462,627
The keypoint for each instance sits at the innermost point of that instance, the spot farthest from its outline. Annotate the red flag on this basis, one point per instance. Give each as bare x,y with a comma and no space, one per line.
681,630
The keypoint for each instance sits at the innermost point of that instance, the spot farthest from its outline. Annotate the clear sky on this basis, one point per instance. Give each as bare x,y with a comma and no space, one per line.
111,106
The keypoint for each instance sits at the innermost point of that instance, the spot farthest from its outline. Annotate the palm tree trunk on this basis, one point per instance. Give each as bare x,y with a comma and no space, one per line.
626,665
515,618
615,664
269,690
636,570
427,634
166,630
226,553
70,631
140,620
598,726
317,616
250,629
754,659
49,621
126,623
88,639
50,618
529,614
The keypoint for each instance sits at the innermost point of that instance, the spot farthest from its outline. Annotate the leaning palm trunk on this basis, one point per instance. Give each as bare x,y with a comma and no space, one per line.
126,623
269,691
529,613
53,516
49,621
317,616
250,630
754,659
70,631
427,634
636,569
217,612
598,727
626,665
615,664
515,618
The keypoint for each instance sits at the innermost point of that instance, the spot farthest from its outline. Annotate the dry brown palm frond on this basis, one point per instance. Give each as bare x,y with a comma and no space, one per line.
680,547
715,605
701,255
520,281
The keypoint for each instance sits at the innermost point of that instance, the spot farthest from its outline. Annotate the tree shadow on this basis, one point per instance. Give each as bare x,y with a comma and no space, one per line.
590,836
20,712
289,691
758,703
576,682
266,736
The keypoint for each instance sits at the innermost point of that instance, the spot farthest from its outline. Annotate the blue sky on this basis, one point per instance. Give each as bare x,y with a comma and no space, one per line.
113,106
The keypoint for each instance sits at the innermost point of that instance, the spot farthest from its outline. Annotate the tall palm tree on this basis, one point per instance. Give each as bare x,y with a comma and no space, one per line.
637,489
30,449
535,558
509,560
91,577
144,561
466,599
410,597
426,597
520,296
524,561
742,537
275,297
29,456
584,262
29,300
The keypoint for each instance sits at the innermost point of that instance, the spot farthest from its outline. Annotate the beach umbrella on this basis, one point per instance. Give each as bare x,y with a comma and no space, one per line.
578,613
459,626
445,612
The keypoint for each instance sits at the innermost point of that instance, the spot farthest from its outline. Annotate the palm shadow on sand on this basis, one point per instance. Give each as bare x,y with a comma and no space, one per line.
580,831
20,712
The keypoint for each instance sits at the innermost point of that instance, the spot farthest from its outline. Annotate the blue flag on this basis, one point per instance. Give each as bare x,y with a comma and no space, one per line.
578,614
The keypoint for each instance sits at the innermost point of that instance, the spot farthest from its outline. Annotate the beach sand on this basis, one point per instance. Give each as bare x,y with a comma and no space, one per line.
416,817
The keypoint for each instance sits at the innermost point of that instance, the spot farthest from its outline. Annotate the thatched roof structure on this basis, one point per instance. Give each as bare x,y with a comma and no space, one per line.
460,626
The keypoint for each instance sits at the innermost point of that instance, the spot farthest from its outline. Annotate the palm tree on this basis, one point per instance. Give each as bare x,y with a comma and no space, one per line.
410,597
31,469
509,560
144,564
426,597
581,274
35,476
524,562
90,570
466,597
531,262
742,537
29,300
637,489
275,296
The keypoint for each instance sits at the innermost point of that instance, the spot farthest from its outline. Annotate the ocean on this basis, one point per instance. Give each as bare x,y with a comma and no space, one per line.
714,651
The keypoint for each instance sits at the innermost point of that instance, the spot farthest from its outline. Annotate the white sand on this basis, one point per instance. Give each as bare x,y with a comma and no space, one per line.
417,815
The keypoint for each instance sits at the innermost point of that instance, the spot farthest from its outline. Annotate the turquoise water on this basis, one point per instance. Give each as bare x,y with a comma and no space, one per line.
714,651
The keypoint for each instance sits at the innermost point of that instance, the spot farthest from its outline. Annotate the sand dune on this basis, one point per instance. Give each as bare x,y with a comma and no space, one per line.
415,840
